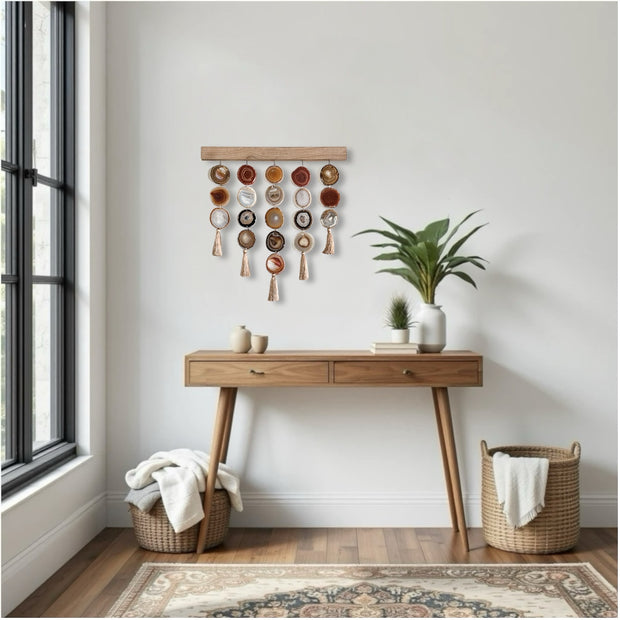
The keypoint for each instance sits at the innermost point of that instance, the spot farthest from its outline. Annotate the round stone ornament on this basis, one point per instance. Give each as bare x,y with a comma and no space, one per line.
274,195
274,217
300,176
246,218
274,241
303,198
246,174
330,197
246,239
219,196
219,174
275,263
329,218
302,219
329,174
274,174
304,242
219,218
246,197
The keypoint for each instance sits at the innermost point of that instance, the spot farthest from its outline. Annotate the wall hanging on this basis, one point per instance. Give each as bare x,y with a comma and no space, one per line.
276,201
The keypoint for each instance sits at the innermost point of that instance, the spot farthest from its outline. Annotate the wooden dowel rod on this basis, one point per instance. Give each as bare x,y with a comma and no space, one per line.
273,153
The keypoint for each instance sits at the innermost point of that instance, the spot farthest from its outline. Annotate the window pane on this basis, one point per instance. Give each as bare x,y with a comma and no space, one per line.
4,417
3,79
45,366
41,87
44,224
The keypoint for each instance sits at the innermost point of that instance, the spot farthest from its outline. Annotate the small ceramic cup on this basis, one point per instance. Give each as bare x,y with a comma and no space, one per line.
259,343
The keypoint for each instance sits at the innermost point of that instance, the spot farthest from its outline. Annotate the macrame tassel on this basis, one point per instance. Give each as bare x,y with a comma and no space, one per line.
329,245
303,267
273,289
245,265
217,244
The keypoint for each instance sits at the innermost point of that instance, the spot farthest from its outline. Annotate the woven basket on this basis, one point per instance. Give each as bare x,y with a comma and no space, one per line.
154,532
556,527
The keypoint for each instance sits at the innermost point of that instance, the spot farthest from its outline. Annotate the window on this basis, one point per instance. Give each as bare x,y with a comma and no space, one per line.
37,239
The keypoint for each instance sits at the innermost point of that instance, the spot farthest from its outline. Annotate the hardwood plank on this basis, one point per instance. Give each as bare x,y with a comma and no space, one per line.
312,546
252,547
403,546
342,546
44,596
91,582
372,548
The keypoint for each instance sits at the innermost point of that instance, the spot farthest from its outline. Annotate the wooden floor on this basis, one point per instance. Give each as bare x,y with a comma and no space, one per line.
91,581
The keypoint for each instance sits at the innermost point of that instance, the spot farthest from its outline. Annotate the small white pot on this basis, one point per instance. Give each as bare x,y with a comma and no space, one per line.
400,336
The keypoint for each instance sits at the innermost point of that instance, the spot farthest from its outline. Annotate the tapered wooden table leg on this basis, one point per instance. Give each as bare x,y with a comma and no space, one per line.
451,466
219,449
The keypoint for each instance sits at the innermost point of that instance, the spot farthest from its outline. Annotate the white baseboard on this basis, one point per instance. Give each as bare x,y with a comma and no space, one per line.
365,510
24,573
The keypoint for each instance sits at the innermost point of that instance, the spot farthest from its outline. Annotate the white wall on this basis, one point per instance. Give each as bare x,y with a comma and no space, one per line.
44,525
445,108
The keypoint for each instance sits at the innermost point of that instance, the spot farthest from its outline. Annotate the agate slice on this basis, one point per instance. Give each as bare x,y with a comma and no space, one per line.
330,197
246,197
300,176
274,174
219,218
329,174
274,218
246,174
219,174
220,196
246,218
329,218
304,242
274,263
275,241
274,195
303,219
246,239
303,198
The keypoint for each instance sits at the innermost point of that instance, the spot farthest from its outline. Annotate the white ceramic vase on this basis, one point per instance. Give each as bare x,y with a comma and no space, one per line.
400,336
431,328
240,339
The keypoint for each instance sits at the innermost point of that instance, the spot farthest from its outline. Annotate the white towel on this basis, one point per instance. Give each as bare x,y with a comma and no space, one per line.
521,483
181,476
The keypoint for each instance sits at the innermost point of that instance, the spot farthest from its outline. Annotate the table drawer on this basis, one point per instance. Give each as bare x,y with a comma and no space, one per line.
245,373
440,373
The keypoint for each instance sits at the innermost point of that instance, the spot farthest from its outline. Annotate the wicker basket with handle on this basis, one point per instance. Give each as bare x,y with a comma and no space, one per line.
556,527
155,533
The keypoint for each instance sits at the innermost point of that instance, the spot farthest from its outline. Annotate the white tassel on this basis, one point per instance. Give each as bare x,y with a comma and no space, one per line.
329,244
217,244
245,265
303,267
273,289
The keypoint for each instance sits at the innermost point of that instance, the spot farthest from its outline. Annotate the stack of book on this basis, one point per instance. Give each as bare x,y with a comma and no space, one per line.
393,347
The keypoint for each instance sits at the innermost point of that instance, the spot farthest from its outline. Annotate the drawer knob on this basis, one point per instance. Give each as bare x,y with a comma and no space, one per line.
256,372
406,371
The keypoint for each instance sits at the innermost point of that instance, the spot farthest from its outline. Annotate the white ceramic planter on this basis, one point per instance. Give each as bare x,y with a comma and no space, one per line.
400,336
431,328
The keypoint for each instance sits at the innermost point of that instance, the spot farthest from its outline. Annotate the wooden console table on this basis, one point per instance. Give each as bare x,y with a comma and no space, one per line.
230,371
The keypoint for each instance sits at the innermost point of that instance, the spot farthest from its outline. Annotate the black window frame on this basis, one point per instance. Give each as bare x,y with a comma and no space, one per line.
26,463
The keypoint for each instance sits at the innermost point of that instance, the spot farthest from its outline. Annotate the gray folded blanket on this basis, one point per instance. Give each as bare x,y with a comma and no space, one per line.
144,499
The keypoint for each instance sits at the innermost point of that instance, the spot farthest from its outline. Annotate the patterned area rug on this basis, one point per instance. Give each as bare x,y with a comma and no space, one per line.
371,591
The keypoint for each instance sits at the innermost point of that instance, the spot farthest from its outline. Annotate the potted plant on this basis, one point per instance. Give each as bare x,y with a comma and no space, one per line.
427,257
399,319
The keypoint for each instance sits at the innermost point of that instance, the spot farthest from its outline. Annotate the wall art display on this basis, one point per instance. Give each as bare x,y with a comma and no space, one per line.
285,193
